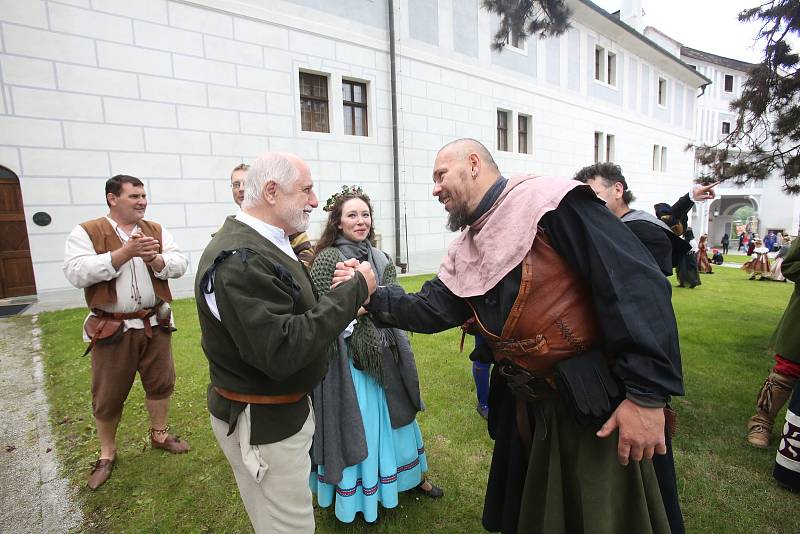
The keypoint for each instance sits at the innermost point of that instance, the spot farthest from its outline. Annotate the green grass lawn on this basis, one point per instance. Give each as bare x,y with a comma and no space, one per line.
725,485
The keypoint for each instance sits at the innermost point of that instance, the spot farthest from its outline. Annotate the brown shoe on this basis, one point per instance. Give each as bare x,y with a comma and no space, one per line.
758,436
101,471
173,444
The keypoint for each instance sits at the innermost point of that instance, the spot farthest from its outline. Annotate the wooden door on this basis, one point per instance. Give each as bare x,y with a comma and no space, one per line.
16,269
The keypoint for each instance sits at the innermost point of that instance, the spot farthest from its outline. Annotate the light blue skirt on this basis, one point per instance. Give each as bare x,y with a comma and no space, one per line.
395,461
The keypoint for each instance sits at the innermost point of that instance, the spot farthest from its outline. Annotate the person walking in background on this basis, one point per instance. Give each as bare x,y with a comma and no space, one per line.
752,243
775,272
123,262
367,445
703,265
687,266
742,243
725,242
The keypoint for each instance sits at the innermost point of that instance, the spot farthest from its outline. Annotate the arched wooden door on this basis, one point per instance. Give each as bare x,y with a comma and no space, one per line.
16,269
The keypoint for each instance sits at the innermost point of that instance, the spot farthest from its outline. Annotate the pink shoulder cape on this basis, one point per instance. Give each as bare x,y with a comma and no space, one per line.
498,241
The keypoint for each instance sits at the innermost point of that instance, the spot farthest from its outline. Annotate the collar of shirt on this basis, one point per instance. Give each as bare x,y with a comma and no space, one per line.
271,233
119,231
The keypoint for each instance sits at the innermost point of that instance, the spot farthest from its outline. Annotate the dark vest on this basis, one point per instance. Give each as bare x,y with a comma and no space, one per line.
552,317
105,239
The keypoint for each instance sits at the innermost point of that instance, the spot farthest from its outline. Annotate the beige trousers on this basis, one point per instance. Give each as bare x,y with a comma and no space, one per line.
281,502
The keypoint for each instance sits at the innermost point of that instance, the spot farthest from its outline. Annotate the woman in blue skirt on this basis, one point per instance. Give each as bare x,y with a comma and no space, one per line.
367,445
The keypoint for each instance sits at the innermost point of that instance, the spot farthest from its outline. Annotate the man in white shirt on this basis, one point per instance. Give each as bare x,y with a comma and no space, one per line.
123,262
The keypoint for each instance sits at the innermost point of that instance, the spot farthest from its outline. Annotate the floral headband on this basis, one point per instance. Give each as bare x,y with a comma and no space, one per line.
347,191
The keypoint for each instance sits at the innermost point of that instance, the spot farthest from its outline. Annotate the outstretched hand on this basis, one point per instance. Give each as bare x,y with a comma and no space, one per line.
641,431
704,192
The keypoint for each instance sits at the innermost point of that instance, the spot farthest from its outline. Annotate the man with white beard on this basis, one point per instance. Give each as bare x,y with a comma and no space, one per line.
266,337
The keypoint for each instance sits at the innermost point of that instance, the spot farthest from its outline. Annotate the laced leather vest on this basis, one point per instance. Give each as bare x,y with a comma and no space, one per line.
552,318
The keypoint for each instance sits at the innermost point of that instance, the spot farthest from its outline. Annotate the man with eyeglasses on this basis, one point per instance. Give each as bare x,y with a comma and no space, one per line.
301,243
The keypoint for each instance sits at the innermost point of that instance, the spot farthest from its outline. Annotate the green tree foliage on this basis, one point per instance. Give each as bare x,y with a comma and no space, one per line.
542,18
766,136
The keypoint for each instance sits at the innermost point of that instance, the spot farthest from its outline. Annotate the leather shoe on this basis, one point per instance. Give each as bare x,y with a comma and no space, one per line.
172,444
434,493
101,471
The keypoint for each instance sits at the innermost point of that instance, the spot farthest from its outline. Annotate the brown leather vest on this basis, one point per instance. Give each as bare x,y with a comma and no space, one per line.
552,317
105,239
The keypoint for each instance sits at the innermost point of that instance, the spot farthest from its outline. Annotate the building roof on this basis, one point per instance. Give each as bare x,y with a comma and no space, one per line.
708,57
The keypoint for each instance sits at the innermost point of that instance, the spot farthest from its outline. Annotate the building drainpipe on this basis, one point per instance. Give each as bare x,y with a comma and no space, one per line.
395,141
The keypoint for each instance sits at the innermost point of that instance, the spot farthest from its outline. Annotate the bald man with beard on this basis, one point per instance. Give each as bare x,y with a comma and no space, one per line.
581,326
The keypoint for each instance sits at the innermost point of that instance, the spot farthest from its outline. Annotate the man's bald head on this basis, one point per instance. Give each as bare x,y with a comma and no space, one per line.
462,148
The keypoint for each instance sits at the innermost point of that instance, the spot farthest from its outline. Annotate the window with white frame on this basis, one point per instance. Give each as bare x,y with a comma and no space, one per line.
523,134
662,91
726,127
604,147
354,106
659,158
605,66
502,129
514,40
728,86
314,103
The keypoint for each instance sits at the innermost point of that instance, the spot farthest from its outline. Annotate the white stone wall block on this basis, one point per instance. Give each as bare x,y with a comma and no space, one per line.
426,140
412,122
204,70
223,193
329,171
27,71
425,71
263,124
194,239
260,33
151,10
102,136
47,247
176,141
48,45
279,60
375,153
441,126
9,158
312,45
190,191
48,275
145,166
278,104
213,120
208,214
96,81
423,106
44,191
29,13
305,148
88,191
56,105
165,38
412,87
359,173
57,162
333,151
137,112
176,91
134,59
265,80
210,167
248,146
357,55
89,23
241,99
170,216
233,51
18,131
200,19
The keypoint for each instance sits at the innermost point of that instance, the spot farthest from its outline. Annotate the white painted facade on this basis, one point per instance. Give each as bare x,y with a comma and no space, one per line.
178,93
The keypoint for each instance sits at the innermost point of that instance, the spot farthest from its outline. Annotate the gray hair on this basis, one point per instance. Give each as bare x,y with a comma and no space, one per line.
272,166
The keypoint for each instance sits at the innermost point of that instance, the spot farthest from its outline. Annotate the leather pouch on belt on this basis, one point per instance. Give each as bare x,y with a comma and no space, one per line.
585,380
103,329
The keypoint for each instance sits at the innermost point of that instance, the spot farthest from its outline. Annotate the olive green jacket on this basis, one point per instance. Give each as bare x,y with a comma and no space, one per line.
786,340
272,335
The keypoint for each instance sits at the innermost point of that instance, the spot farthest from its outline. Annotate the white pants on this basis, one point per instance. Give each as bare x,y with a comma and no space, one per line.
281,502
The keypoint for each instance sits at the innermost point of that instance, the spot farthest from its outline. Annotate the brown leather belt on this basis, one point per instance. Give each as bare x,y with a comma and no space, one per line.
246,398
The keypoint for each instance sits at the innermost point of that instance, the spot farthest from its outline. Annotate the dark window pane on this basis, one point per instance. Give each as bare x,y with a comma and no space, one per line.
358,93
348,120
360,121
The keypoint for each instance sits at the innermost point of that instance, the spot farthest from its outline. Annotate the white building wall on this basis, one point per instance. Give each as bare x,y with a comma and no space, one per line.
178,93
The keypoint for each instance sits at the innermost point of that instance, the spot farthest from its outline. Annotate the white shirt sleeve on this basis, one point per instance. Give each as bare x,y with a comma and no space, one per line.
83,267
175,261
